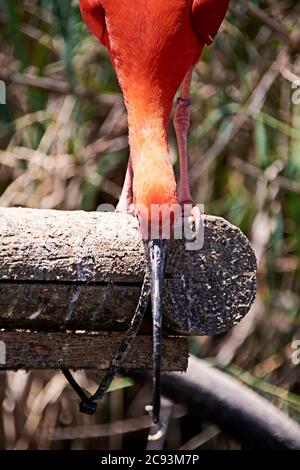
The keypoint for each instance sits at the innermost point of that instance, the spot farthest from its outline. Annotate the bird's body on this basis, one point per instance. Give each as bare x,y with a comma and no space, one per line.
151,58
154,45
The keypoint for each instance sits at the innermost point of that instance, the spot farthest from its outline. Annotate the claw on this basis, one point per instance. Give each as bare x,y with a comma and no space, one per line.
193,213
125,208
195,218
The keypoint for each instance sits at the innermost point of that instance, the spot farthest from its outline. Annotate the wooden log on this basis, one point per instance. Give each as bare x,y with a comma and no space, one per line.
71,350
77,270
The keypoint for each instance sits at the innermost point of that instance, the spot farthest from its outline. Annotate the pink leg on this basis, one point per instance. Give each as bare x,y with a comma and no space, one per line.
182,124
125,201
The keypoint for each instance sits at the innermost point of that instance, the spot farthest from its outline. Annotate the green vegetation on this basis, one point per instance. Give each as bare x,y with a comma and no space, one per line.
63,145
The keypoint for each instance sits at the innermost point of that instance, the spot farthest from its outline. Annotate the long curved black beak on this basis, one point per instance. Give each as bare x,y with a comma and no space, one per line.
157,250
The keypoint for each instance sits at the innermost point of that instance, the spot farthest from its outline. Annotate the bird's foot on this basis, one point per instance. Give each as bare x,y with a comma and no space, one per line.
125,206
192,212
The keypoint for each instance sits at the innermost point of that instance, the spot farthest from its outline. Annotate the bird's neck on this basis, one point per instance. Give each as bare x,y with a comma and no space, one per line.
153,180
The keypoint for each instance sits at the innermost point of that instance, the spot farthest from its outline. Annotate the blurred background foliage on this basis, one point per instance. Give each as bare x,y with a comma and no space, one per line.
63,145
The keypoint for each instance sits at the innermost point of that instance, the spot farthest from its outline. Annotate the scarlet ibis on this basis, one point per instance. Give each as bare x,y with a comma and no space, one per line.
153,45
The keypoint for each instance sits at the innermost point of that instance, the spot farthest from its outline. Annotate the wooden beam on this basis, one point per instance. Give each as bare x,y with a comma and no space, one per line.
71,350
77,270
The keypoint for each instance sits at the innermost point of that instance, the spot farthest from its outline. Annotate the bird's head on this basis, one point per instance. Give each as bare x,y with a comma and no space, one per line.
154,197
156,216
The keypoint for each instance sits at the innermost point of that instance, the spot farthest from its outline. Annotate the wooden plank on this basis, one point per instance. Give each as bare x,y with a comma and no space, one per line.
47,306
36,350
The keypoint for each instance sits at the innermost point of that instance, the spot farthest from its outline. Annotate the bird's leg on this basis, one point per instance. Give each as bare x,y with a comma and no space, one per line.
181,125
125,202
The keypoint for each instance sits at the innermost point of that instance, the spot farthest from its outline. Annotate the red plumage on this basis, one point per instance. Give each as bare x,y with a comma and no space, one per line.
152,44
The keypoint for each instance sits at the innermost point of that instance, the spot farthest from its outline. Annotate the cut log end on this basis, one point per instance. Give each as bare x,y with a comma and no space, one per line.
211,289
